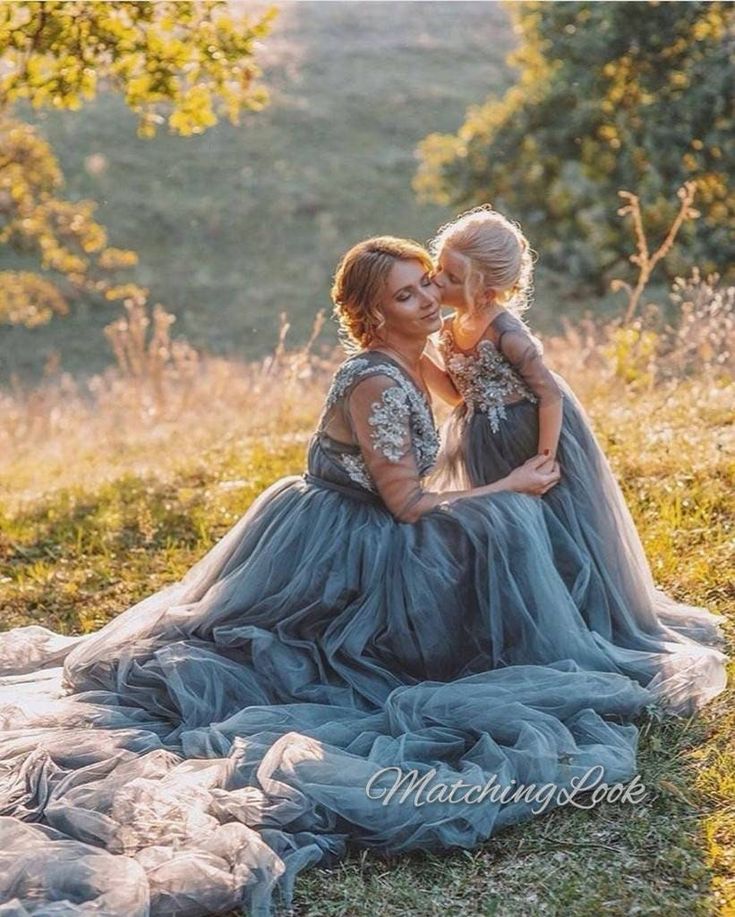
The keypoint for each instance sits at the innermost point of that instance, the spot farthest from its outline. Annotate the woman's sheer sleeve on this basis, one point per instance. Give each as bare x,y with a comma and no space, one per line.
518,347
379,414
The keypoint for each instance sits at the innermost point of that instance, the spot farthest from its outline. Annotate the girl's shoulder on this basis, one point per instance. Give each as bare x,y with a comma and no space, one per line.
509,323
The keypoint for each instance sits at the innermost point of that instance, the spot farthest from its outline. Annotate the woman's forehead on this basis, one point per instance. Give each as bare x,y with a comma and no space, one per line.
405,273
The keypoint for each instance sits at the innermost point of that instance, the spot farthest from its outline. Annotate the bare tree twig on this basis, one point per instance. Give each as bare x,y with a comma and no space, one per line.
645,261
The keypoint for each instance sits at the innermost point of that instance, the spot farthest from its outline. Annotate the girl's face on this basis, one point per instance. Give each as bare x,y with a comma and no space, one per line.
411,301
449,276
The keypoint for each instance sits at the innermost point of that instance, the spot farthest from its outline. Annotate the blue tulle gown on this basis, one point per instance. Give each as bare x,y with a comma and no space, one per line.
230,730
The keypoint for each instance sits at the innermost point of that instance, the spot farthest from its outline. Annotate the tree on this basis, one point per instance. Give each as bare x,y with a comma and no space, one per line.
609,96
186,64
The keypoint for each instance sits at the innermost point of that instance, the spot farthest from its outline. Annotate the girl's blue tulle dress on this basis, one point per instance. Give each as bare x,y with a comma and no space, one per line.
503,382
238,726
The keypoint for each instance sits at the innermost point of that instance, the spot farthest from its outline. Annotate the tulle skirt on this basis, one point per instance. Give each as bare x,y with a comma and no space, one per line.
610,580
253,719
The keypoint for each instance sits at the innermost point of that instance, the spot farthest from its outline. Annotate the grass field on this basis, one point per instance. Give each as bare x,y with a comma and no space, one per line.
90,525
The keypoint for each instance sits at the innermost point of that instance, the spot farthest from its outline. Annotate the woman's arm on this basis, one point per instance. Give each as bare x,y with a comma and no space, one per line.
439,381
379,414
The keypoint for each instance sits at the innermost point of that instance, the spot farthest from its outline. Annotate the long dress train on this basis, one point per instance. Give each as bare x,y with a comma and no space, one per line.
249,721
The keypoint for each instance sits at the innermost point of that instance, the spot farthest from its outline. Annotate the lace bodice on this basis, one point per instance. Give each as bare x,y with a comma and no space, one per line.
505,366
377,426
401,405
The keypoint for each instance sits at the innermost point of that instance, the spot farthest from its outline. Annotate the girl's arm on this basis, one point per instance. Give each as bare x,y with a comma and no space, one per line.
549,428
522,353
379,416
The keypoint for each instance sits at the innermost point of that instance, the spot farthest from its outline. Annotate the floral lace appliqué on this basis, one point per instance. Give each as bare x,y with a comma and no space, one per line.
424,435
402,416
389,419
357,471
343,378
484,378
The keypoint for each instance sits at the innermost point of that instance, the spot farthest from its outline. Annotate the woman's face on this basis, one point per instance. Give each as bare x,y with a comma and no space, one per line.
449,276
411,301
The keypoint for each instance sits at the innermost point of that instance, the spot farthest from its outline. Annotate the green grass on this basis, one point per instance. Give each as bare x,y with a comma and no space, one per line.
74,557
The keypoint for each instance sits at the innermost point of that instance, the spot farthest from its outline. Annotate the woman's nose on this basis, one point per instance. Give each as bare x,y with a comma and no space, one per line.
436,279
431,295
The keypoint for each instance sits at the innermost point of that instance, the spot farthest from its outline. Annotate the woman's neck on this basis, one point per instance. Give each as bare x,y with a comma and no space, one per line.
409,349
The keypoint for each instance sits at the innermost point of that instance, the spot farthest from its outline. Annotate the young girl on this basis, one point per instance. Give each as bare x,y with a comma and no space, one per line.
510,406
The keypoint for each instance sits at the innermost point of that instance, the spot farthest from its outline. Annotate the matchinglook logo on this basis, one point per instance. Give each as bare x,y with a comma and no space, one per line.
425,791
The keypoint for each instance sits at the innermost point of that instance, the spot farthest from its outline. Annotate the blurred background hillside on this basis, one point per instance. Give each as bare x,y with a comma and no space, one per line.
238,223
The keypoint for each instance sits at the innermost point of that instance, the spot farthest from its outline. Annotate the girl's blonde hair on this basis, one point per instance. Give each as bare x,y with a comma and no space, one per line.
496,252
359,284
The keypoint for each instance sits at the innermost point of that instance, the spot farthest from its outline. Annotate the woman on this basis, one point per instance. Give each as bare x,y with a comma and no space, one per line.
232,729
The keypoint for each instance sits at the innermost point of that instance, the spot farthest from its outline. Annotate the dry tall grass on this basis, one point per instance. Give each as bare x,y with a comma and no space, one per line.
163,403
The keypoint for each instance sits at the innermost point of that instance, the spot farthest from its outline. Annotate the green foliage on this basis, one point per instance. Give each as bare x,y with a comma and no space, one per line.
610,96
36,221
237,224
193,58
631,351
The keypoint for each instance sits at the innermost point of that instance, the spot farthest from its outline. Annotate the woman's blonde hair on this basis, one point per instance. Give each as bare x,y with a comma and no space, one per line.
359,284
496,252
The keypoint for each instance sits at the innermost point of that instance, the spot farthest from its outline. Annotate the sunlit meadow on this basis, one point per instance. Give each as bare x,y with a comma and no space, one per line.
110,489
152,428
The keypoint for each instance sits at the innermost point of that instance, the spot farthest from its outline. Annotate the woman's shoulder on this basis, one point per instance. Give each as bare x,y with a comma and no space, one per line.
366,364
509,321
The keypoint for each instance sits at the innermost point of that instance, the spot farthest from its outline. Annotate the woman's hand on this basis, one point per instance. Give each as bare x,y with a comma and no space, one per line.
535,476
